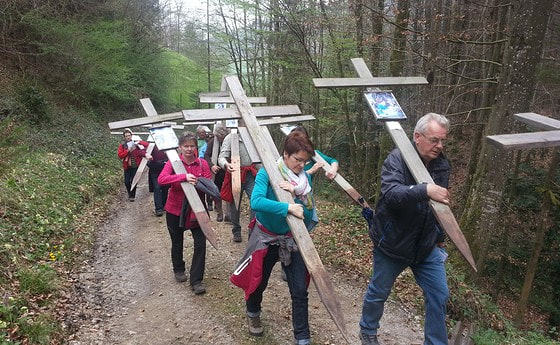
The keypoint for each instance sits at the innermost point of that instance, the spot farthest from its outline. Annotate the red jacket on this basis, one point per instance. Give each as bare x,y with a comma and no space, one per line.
175,196
137,154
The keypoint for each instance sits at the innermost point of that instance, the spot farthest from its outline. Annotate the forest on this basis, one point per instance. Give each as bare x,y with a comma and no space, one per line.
69,67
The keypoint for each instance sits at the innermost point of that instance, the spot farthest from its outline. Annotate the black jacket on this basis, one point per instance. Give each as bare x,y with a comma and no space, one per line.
404,226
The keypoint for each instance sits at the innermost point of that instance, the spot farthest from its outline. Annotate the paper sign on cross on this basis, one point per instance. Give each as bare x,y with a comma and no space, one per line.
441,211
269,155
190,192
548,138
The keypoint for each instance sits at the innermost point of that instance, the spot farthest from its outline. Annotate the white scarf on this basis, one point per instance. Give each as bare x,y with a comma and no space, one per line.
300,182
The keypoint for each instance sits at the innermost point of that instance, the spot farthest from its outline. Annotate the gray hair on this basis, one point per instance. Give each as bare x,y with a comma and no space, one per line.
422,124
220,129
204,128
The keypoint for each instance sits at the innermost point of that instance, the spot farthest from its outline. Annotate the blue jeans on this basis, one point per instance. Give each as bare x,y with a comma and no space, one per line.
160,192
246,187
430,276
296,273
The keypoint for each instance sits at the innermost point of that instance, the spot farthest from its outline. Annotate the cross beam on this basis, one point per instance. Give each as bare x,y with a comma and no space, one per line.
367,81
548,138
441,211
229,100
298,229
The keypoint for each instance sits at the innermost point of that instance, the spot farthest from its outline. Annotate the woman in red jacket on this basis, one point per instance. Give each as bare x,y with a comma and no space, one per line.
131,153
196,168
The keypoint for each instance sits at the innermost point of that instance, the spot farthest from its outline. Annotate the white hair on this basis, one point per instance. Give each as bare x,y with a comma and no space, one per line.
204,128
422,124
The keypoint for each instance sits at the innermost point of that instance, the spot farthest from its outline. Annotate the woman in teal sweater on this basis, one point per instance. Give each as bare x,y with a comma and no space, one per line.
271,239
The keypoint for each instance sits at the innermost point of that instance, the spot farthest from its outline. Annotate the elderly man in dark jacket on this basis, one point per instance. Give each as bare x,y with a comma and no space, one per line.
405,233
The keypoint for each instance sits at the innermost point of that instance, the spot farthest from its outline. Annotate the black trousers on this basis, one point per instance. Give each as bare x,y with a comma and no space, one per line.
128,177
199,255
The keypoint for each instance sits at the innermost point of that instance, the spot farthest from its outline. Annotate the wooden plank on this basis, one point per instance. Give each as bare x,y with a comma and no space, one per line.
310,256
148,107
342,183
135,133
235,162
525,140
285,119
367,81
194,200
251,150
229,100
213,94
141,166
229,113
538,121
441,211
145,120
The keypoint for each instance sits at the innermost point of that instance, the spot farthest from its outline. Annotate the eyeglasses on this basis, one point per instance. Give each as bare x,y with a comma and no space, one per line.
434,140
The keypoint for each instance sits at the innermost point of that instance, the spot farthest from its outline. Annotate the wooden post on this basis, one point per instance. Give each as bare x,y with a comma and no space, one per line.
141,166
236,165
298,229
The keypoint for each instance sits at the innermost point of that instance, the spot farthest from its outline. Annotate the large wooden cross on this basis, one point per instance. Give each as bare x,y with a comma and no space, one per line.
441,211
269,154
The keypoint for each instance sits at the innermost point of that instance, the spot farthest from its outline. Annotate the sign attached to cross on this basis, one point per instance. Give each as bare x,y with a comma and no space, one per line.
441,211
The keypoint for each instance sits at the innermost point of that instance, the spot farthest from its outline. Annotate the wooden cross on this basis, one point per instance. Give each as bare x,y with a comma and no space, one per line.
269,154
548,138
190,192
441,211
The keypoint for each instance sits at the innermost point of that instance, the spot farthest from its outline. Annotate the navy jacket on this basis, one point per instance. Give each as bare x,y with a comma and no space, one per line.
404,226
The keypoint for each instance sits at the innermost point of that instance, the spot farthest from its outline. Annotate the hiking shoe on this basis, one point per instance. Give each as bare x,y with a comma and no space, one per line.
198,288
181,277
227,219
369,339
159,213
255,326
210,207
237,237
131,198
220,217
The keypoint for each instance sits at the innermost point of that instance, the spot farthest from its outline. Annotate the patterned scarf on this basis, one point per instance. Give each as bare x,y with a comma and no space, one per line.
302,188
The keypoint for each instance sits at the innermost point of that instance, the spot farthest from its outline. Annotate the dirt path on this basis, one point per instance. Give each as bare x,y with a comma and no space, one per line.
128,294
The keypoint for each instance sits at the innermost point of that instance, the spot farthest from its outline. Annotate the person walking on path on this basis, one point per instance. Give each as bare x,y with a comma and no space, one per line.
131,153
156,165
405,233
180,217
248,172
271,240
220,132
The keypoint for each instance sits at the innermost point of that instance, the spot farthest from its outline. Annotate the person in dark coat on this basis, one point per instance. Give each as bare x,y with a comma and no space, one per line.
405,233
156,165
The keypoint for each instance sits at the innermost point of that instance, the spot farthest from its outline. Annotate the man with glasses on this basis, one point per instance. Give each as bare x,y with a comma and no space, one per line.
405,233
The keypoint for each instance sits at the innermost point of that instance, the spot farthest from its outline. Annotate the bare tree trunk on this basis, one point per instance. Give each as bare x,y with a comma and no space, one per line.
544,226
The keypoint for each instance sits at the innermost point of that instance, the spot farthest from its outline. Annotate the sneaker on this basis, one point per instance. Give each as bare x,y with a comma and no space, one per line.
369,339
198,288
237,237
130,198
181,277
220,217
159,213
255,326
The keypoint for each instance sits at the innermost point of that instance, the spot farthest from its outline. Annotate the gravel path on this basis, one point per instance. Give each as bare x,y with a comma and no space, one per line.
126,293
